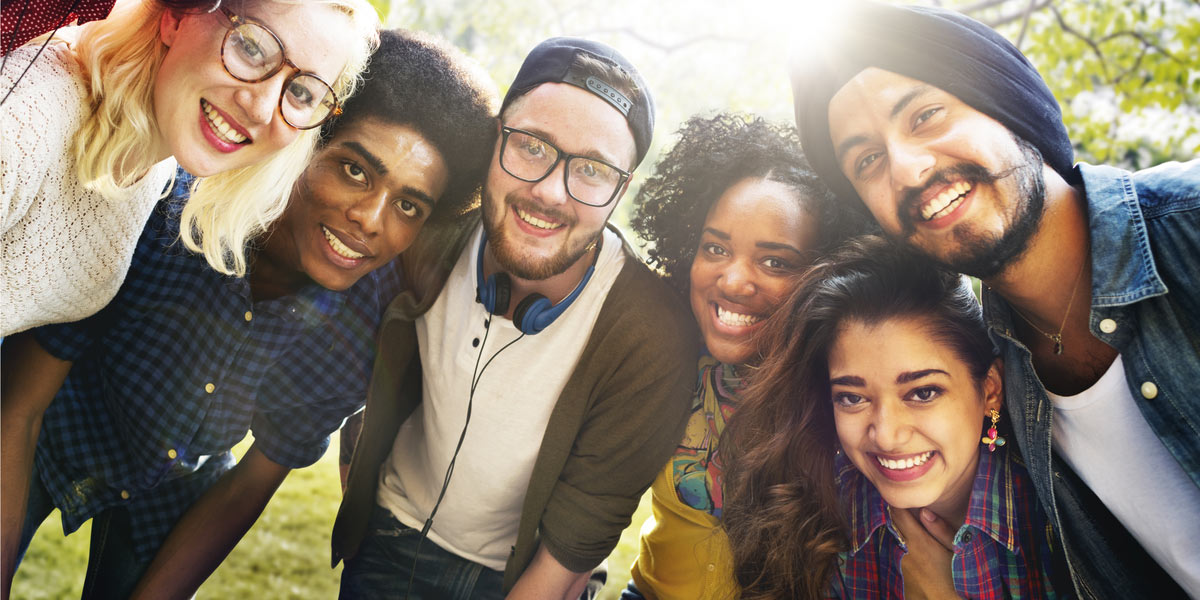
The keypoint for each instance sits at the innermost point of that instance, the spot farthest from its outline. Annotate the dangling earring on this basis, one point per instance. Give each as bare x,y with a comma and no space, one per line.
993,439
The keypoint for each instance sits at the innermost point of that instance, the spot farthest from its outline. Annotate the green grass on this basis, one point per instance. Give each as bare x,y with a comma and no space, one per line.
285,554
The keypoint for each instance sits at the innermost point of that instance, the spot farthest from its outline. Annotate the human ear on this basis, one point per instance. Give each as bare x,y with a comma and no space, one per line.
993,385
168,27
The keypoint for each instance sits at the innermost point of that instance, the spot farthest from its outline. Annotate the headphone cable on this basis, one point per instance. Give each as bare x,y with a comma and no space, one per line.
476,376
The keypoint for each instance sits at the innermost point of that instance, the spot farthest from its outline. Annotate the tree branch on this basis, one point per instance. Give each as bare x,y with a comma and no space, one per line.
1087,40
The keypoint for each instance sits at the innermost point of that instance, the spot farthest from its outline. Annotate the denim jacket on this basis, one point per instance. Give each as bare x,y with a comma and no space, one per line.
1145,247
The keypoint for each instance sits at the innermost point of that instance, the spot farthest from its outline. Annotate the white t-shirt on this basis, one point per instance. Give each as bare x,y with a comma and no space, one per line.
1103,436
479,516
65,248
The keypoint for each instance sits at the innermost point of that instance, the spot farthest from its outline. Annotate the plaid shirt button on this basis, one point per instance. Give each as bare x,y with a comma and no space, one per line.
249,315
172,454
124,494
208,387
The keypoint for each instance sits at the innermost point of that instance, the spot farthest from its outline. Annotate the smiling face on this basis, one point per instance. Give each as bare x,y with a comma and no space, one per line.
535,230
360,203
211,122
754,240
908,413
937,174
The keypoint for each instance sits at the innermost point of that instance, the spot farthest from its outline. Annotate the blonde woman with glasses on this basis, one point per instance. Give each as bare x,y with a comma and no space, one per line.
92,135
93,132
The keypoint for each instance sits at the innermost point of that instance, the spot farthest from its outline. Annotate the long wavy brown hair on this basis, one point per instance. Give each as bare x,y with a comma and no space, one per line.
782,513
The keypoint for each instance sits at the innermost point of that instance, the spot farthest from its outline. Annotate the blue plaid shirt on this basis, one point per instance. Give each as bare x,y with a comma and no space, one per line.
172,373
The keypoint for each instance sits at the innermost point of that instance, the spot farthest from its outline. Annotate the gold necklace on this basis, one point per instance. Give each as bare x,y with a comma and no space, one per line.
1057,337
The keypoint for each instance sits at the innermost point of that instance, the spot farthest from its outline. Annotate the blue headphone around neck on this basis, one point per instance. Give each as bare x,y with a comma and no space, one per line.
534,312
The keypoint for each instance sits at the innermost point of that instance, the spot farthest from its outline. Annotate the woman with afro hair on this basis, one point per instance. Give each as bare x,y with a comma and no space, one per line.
731,216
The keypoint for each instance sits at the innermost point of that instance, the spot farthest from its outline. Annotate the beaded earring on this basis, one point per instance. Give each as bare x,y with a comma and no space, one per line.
993,438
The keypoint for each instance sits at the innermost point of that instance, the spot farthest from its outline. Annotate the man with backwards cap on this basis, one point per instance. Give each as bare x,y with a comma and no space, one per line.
953,142
526,395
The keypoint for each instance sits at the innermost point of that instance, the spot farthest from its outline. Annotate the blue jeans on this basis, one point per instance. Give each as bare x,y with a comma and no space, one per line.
631,592
113,570
384,566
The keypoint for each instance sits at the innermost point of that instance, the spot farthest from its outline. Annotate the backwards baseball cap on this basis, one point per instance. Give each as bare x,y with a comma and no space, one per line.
552,61
948,50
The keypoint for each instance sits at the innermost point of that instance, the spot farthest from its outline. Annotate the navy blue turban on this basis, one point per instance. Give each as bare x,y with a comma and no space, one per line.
942,48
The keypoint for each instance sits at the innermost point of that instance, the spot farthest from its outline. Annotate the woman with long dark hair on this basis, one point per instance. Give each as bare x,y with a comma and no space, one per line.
732,214
875,410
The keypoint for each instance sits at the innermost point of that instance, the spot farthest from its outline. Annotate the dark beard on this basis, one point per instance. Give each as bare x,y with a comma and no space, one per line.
986,255
510,258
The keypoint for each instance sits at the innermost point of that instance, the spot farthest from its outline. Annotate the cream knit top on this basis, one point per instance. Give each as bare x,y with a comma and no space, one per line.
65,249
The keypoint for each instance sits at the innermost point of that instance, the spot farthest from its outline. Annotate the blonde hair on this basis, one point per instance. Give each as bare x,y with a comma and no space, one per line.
120,57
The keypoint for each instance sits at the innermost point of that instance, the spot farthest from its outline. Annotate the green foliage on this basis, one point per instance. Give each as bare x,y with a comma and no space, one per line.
1126,74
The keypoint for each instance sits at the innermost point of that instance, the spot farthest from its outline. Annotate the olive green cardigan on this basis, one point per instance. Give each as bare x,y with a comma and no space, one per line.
619,417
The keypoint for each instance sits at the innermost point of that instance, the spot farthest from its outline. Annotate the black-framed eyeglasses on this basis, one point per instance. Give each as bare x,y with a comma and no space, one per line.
530,158
252,53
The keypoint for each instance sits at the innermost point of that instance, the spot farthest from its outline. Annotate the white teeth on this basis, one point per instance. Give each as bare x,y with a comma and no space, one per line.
219,126
340,248
945,202
736,319
536,222
908,463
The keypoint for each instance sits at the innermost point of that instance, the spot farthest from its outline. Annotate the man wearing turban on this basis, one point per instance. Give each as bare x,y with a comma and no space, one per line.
947,135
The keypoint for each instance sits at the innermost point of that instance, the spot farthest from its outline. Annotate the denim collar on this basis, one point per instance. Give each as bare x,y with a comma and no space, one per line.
1123,270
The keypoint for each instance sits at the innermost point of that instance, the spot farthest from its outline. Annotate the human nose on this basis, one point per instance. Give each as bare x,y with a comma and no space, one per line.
890,428
369,212
910,163
259,100
736,280
552,189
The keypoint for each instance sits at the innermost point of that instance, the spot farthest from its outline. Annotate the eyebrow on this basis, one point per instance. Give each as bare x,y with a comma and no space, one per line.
779,246
907,99
717,233
897,108
905,377
382,169
366,155
852,380
908,376
589,153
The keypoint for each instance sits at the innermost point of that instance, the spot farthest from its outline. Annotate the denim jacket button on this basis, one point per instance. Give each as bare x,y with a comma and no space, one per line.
1108,325
1149,390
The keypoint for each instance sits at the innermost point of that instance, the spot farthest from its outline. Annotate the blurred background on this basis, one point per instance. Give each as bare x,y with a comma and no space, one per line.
1127,75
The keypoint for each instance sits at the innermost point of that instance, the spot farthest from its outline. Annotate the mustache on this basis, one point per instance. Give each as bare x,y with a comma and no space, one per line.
910,198
534,207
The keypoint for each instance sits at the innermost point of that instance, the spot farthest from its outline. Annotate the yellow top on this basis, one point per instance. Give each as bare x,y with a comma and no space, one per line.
684,552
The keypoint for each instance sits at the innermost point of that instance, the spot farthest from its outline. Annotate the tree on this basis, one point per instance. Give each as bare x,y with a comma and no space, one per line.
1126,74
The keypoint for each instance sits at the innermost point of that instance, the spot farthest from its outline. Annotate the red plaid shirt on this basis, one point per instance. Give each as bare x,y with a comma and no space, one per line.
1002,550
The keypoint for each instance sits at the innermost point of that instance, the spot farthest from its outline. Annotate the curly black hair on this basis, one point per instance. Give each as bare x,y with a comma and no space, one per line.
421,81
712,154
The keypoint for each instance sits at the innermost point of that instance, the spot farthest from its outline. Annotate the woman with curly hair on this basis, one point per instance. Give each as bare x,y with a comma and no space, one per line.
856,468
731,215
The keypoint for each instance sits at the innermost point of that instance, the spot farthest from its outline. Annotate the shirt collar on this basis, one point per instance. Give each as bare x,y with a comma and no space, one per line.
865,508
992,508
1123,269
993,505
